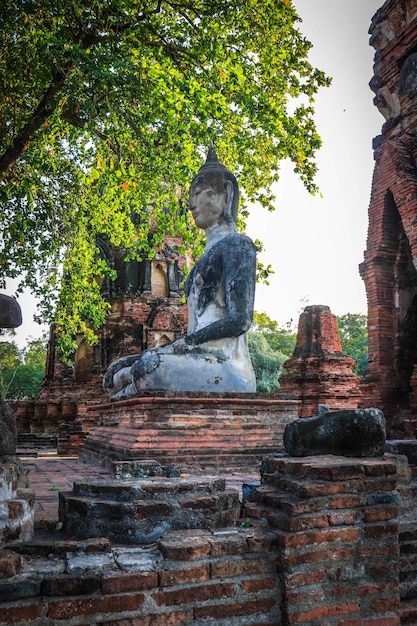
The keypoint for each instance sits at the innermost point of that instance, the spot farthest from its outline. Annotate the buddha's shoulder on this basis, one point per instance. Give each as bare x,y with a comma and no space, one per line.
237,240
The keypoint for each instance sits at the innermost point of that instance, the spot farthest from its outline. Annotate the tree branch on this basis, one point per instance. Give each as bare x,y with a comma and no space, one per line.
44,109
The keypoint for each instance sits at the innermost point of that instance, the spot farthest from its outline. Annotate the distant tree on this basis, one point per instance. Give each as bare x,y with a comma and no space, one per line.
270,346
22,371
353,332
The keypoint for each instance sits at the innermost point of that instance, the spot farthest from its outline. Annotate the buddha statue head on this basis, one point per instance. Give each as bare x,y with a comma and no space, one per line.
213,177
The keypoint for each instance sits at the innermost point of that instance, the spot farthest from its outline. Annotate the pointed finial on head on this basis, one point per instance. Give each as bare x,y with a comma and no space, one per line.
211,154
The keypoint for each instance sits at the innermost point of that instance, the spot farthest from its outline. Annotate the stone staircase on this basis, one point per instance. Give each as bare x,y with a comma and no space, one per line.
28,444
140,511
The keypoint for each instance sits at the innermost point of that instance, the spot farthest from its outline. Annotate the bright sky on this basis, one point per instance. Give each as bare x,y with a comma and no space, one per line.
315,244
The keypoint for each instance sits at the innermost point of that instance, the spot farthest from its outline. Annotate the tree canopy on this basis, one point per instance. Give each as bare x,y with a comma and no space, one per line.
270,346
22,371
353,332
107,109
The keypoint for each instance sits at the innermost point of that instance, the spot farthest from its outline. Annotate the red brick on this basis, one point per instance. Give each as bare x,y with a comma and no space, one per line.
242,608
22,613
341,591
238,567
294,524
380,514
372,588
164,619
188,595
385,605
129,581
301,617
344,502
305,595
259,542
168,578
288,541
10,563
185,548
305,578
342,518
375,531
388,621
259,584
381,570
97,544
232,544
65,609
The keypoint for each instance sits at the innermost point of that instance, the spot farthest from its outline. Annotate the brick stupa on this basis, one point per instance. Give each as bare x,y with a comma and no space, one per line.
319,372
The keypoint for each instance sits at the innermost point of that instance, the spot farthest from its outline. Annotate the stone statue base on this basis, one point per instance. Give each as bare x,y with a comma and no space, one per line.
189,431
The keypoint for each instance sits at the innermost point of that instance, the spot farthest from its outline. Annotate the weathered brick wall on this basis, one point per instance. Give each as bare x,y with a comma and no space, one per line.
389,267
323,548
227,578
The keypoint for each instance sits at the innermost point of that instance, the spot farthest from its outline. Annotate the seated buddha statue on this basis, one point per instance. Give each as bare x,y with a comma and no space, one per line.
213,356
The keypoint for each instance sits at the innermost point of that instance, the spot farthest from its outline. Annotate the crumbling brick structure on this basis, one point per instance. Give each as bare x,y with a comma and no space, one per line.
389,268
318,372
146,311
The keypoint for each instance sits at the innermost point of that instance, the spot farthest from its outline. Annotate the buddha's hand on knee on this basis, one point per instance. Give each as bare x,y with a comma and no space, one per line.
125,362
146,364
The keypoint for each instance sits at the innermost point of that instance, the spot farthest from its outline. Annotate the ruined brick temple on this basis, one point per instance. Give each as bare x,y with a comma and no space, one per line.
146,311
390,261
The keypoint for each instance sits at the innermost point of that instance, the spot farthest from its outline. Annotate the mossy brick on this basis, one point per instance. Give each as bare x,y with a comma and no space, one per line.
70,585
19,587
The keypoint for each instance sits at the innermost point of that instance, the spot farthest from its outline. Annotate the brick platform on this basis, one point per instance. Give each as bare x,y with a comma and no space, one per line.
193,433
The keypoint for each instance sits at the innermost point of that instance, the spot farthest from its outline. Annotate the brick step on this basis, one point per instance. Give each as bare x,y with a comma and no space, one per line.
139,489
31,440
168,504
224,462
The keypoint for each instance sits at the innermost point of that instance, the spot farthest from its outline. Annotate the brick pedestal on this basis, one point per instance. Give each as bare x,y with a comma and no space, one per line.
191,432
337,537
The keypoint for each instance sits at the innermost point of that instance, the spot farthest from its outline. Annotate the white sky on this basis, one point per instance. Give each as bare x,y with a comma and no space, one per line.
315,244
